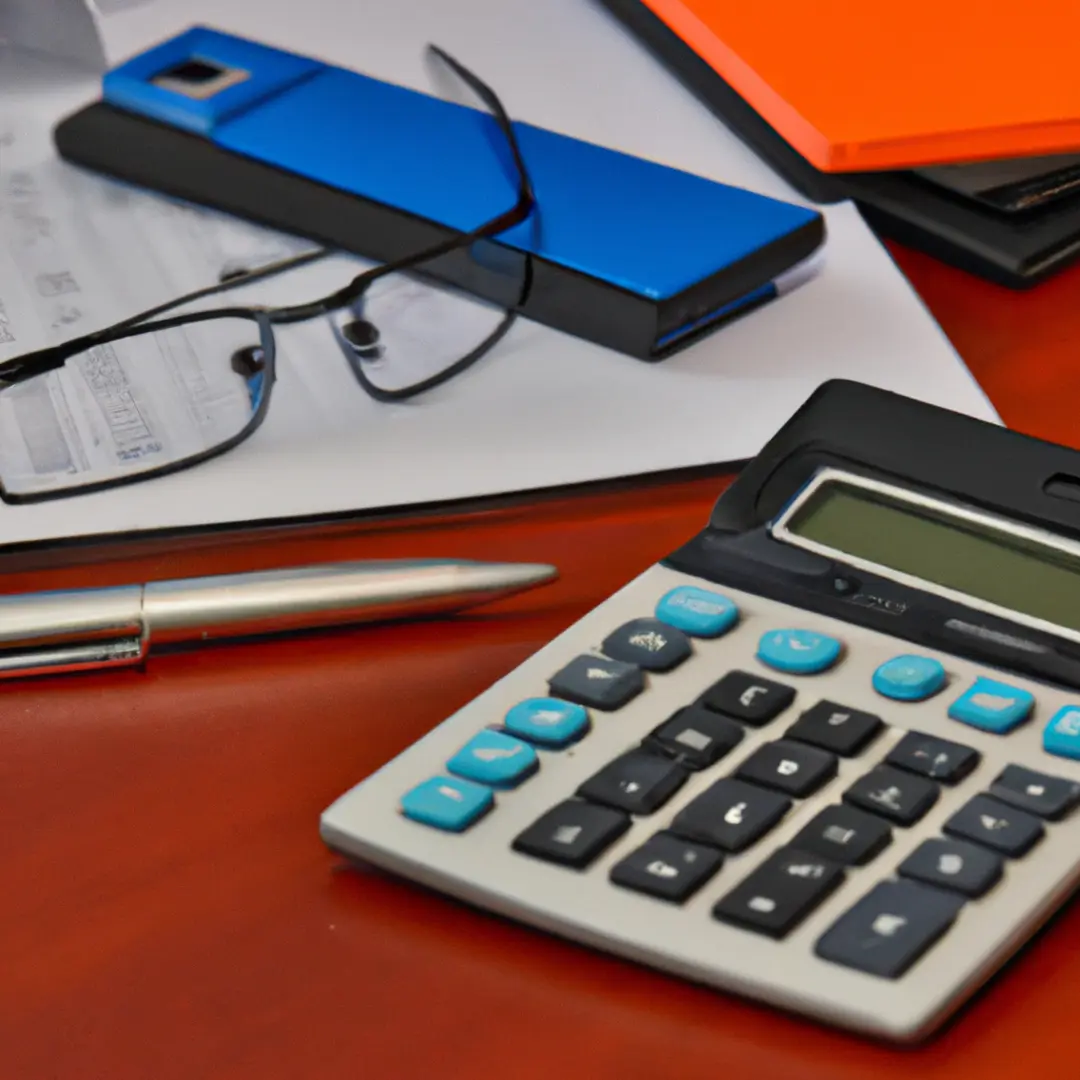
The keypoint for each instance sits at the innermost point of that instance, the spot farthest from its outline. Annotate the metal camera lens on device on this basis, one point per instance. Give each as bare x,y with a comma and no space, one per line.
199,78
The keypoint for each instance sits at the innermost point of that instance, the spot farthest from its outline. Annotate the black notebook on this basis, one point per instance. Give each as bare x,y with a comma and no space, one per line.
1013,222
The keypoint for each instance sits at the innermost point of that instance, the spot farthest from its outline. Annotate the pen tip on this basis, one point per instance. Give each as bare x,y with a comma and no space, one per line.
483,581
522,575
470,582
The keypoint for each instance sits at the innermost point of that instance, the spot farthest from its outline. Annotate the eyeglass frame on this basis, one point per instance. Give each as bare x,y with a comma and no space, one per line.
42,361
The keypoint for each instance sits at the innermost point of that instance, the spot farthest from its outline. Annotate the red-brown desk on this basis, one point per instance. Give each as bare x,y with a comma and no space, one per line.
168,912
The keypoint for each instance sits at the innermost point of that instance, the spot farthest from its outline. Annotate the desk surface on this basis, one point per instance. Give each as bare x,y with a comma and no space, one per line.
167,909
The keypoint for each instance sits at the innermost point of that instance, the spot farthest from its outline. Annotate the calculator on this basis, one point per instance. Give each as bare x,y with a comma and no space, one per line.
826,755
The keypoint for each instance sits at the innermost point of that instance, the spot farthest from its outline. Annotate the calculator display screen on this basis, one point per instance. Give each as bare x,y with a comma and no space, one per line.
1015,568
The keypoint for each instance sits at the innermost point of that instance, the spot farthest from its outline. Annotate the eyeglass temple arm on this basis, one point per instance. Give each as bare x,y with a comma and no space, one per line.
526,197
41,361
525,200
20,368
519,212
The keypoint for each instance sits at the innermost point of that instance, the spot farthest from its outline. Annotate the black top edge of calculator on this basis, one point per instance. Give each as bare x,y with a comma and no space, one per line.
1014,250
913,520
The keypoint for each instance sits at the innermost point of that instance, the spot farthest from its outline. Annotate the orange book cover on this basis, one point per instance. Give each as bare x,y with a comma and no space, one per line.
899,85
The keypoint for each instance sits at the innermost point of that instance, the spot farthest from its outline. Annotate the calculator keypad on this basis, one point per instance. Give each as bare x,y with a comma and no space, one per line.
1062,734
494,758
934,758
789,767
1048,796
697,612
893,795
667,867
993,706
697,737
798,652
845,835
548,721
573,833
598,682
780,893
837,728
748,698
731,815
445,802
890,928
995,825
638,782
831,820
649,643
955,865
909,678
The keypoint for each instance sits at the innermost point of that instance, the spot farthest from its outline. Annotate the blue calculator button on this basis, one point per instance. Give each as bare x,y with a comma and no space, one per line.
447,803
494,758
800,652
697,612
1062,733
993,706
547,721
909,678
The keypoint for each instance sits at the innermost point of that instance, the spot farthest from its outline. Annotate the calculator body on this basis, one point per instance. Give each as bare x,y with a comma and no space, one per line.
890,814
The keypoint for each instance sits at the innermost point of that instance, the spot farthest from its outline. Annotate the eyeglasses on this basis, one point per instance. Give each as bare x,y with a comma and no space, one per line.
150,395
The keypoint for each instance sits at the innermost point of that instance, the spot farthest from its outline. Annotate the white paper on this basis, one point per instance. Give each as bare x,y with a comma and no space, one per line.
66,29
544,409
62,29
111,7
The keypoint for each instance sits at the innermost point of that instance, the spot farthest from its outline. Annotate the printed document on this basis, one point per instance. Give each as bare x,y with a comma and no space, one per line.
544,409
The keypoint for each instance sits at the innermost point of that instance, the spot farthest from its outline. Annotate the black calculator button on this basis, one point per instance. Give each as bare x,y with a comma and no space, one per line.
697,737
892,794
638,782
730,815
573,833
995,825
954,864
598,682
780,893
845,835
936,758
1048,796
748,698
838,728
667,867
649,643
789,767
890,928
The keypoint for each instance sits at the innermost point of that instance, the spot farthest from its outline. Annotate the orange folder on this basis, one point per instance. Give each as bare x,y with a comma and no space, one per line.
896,85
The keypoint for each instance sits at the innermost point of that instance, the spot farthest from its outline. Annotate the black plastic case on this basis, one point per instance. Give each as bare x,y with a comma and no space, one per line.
164,158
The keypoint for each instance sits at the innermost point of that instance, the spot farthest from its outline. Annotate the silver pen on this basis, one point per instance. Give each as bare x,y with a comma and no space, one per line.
77,629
